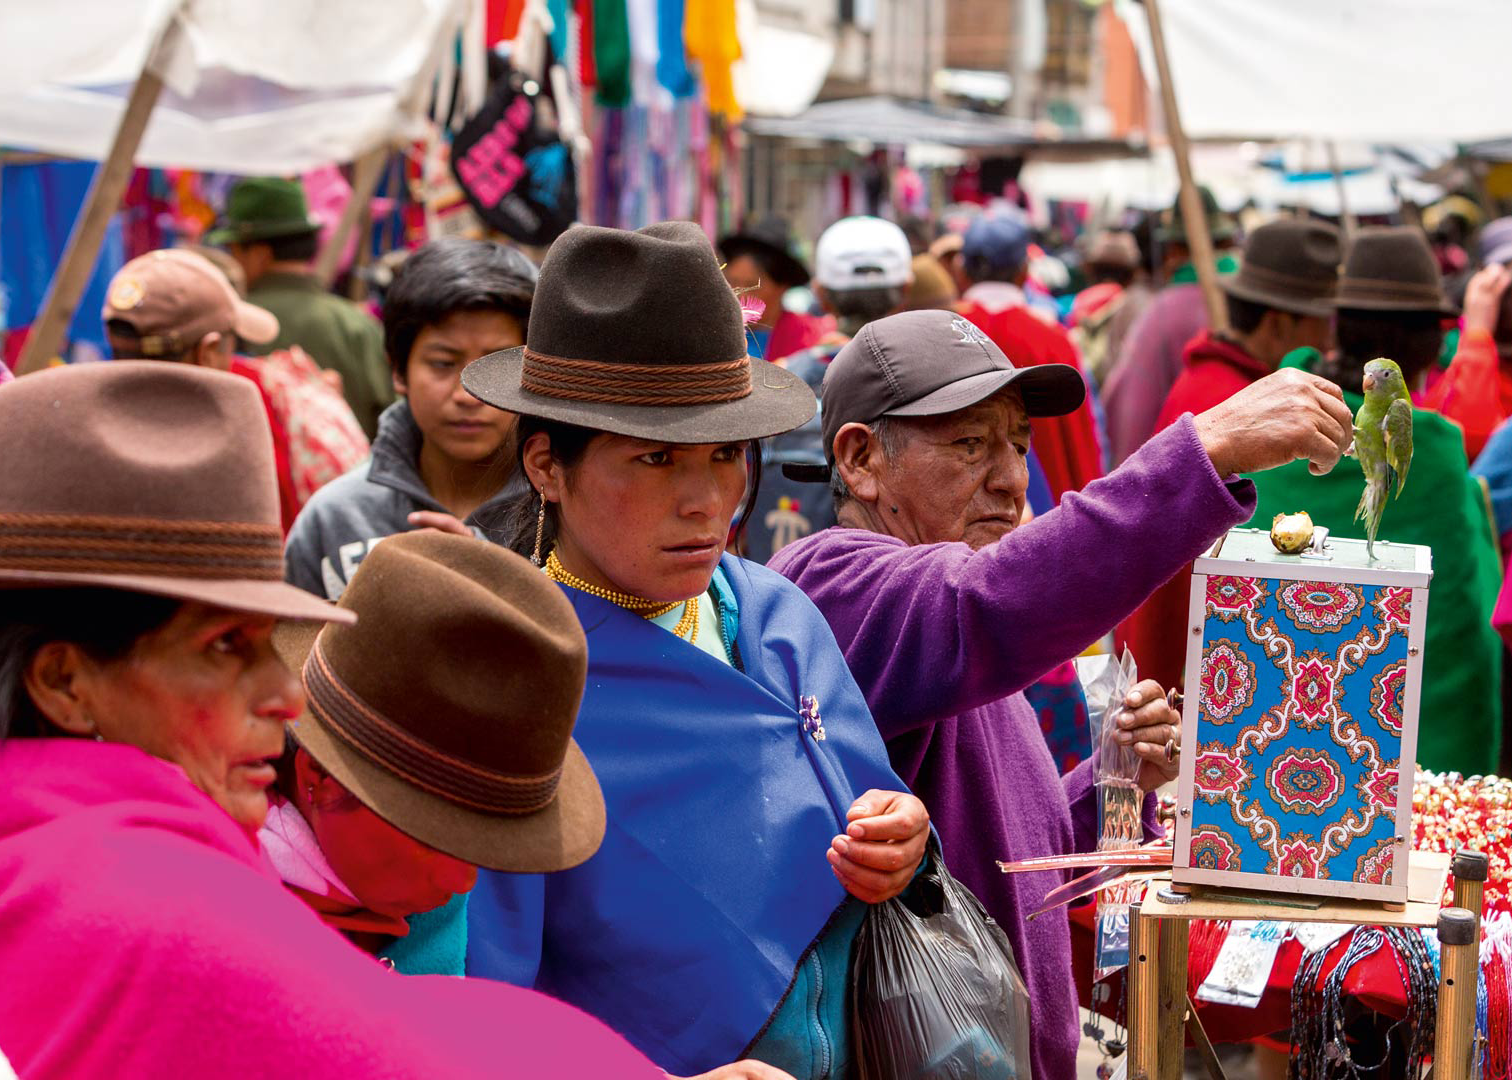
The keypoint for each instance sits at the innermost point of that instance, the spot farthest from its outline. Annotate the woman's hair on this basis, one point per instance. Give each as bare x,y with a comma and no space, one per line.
451,275
1411,338
518,517
104,623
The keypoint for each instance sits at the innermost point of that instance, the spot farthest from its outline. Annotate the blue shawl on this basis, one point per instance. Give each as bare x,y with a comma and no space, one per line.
684,931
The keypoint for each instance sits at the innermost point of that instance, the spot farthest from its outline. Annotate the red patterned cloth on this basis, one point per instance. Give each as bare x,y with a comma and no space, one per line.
1066,446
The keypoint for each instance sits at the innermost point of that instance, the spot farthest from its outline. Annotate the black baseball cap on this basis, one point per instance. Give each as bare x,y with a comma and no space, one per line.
927,363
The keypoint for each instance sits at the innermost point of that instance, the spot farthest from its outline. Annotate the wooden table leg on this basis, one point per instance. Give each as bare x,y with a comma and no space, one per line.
1470,869
1143,977
1171,993
1454,1043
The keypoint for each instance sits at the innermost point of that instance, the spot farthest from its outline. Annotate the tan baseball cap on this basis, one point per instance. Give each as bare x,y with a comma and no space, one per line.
173,298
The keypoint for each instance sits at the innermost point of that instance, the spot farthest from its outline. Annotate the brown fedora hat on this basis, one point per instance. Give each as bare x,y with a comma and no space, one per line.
1291,266
1392,268
448,711
637,333
145,476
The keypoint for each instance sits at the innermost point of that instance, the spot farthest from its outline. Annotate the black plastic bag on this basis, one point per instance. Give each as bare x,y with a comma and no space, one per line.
935,991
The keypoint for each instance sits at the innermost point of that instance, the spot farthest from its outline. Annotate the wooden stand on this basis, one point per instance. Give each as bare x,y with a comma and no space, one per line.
1159,927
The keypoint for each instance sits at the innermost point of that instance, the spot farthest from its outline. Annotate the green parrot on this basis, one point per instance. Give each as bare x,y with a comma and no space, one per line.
1382,442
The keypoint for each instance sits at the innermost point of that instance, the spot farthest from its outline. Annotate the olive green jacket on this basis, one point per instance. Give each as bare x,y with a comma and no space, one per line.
336,332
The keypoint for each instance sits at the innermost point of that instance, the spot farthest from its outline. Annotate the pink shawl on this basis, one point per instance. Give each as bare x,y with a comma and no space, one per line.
143,934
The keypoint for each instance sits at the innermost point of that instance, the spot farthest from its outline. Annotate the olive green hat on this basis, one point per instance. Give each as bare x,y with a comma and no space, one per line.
264,208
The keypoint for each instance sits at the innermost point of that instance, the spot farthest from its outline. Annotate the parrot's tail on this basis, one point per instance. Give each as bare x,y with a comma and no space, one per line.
1372,504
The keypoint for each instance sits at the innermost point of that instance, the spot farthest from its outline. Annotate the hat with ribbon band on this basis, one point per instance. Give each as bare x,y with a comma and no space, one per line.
146,476
1392,268
448,710
637,333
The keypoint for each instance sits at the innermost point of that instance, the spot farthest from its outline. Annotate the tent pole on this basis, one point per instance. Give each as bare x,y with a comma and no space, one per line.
1199,240
365,176
100,204
1346,219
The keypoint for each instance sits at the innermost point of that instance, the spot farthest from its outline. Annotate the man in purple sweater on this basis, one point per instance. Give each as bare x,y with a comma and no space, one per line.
946,611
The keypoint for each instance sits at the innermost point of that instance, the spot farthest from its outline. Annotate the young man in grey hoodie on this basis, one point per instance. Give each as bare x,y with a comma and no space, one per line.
441,454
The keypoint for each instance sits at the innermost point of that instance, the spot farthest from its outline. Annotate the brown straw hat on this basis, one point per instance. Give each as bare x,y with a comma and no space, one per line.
449,710
145,476
1292,266
637,333
1392,268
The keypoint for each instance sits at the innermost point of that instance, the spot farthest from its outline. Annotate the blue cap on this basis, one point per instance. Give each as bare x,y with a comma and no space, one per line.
999,238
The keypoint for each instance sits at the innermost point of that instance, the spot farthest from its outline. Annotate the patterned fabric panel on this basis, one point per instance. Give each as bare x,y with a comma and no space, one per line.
1299,730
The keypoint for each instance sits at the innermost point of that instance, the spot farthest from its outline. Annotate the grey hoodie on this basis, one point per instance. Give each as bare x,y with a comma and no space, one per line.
343,520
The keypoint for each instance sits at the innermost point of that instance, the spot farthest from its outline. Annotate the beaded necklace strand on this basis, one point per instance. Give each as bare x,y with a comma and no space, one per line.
686,628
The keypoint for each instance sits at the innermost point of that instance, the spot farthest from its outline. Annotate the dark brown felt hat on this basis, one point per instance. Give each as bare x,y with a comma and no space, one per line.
1292,266
1392,268
145,476
637,333
448,711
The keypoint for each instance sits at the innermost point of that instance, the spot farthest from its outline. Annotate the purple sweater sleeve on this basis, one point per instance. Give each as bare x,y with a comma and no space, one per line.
934,630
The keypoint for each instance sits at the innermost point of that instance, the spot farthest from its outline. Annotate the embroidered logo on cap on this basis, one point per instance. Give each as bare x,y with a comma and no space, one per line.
126,294
969,331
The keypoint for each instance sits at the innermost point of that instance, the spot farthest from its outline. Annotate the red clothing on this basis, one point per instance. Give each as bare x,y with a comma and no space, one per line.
793,333
1216,370
1476,391
1066,446
288,501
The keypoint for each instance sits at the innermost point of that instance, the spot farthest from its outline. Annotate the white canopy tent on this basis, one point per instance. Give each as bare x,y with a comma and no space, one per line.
269,87
276,86
1371,70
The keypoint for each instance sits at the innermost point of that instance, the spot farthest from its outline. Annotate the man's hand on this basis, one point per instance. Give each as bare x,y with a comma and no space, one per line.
1149,724
882,847
741,1070
1483,297
436,521
1287,415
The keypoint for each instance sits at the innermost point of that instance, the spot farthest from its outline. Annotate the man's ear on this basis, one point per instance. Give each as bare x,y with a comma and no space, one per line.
311,780
213,351
858,456
57,678
401,385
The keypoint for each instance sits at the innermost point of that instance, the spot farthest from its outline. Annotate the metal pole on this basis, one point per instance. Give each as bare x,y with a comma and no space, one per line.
100,204
1198,239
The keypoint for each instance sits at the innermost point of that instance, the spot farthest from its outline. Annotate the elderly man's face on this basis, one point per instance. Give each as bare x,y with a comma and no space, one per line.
960,476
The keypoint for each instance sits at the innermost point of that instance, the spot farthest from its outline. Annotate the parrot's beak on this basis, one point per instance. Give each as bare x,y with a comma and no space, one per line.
1368,383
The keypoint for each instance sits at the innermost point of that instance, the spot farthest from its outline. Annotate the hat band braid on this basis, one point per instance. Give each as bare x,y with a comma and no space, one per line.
1380,288
1275,279
102,544
635,384
414,760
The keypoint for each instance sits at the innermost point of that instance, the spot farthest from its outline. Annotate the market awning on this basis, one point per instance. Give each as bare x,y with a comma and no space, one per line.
276,86
888,121
1373,70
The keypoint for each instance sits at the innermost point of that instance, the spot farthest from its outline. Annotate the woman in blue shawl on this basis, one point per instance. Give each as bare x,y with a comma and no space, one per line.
752,811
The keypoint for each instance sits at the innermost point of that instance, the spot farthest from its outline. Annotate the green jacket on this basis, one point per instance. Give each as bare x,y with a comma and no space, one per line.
1442,507
336,332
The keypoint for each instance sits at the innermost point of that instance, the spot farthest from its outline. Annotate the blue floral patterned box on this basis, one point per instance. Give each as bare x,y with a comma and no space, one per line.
1300,726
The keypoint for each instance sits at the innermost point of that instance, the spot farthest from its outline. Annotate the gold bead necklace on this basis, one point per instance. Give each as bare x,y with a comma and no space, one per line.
686,628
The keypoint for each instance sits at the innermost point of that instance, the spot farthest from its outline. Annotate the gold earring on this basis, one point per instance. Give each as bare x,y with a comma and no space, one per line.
540,529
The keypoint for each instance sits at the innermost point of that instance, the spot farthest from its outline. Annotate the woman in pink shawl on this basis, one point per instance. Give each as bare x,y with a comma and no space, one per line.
142,932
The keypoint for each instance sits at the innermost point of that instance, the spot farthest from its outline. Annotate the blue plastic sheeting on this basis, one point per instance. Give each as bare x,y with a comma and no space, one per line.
38,205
